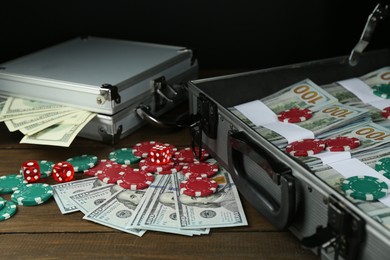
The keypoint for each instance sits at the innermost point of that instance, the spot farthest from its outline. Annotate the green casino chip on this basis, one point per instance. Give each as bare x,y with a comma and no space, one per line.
32,194
364,188
123,156
46,168
2,203
8,210
10,183
83,162
382,90
383,167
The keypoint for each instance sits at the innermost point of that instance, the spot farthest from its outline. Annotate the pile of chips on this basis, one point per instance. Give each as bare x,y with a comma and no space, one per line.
307,147
152,158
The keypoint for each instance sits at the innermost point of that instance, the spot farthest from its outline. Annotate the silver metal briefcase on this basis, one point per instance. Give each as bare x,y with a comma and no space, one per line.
120,80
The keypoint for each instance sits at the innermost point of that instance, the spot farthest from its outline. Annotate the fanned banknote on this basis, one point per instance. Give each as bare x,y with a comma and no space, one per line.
42,122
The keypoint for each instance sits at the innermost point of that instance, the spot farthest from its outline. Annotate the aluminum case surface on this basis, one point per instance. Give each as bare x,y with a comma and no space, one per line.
110,77
277,185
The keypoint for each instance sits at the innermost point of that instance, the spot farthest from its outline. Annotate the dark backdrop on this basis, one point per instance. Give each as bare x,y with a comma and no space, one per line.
225,33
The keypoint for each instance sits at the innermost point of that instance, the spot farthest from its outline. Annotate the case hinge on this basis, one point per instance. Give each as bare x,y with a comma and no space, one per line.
343,235
379,13
108,92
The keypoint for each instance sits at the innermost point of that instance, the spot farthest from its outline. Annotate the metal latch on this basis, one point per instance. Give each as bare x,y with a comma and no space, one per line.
108,92
343,235
379,13
208,113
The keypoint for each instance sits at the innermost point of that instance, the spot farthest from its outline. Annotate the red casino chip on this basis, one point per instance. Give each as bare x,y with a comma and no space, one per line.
112,172
295,115
98,168
187,155
175,169
200,169
341,143
386,112
141,150
149,166
198,187
136,179
305,147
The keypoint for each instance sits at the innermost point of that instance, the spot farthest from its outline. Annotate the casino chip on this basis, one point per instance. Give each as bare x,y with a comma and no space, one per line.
383,166
187,155
382,90
136,180
341,143
98,168
123,156
305,147
364,188
198,187
147,165
8,210
112,172
141,150
32,194
46,168
2,203
83,162
295,115
200,169
386,112
10,183
175,169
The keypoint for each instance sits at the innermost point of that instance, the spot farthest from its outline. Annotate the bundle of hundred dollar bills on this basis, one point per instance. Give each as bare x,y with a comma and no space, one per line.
353,108
43,123
161,207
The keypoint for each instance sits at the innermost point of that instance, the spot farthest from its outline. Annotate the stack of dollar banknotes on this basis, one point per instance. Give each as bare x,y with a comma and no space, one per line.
160,207
355,108
43,123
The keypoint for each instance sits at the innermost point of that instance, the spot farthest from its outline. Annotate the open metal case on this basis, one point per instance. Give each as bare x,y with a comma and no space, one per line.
276,184
126,83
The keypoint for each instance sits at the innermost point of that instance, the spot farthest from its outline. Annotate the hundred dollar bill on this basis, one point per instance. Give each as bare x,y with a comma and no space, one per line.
15,107
372,79
61,134
370,135
38,121
375,209
87,200
221,209
324,119
160,214
304,94
62,191
117,211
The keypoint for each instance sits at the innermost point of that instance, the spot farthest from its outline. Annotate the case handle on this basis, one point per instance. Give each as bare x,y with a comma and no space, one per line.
145,114
280,214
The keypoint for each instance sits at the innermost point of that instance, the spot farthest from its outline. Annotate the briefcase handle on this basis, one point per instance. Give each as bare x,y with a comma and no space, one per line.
280,214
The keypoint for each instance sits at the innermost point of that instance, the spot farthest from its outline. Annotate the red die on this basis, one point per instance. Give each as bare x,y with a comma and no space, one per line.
160,154
63,172
31,171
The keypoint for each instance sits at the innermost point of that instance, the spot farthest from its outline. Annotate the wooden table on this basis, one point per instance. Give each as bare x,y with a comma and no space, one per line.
42,232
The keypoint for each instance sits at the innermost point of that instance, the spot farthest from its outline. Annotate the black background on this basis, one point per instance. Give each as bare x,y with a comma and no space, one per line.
225,33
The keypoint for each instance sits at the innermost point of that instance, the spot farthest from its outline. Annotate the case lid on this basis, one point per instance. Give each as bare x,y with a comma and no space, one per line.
74,72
